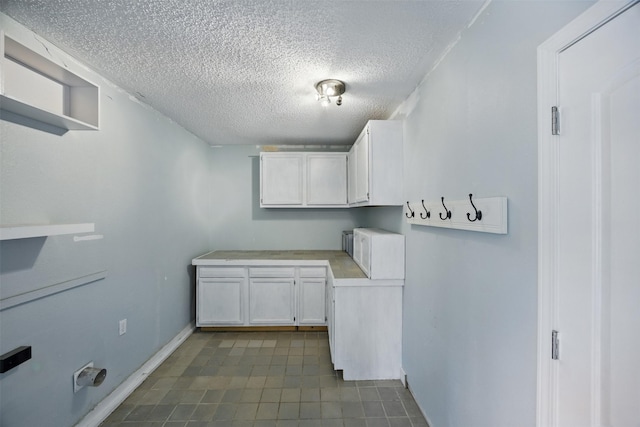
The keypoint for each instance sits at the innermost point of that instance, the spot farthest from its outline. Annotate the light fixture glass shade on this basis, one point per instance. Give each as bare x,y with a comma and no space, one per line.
328,88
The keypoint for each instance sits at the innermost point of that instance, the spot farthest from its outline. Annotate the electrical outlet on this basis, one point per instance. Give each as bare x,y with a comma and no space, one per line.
123,326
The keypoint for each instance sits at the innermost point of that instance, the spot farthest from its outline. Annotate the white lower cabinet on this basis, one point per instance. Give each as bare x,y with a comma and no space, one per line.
331,315
260,296
365,329
311,296
363,316
272,296
220,296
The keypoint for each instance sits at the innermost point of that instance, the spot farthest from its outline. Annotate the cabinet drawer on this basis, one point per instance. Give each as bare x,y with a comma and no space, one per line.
313,272
220,272
272,272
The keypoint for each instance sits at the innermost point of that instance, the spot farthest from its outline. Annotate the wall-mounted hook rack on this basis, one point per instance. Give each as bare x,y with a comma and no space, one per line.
489,214
410,213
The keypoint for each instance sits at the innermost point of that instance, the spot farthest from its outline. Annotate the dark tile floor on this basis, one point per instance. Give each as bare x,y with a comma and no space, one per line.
261,379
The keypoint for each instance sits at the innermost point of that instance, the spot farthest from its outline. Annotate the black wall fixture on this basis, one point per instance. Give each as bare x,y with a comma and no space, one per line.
14,358
478,216
427,213
410,215
447,214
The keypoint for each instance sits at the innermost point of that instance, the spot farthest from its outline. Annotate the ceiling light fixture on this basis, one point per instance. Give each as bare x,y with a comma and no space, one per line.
328,88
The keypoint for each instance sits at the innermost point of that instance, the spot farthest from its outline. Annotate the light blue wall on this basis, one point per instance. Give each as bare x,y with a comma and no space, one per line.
144,182
469,334
240,223
160,197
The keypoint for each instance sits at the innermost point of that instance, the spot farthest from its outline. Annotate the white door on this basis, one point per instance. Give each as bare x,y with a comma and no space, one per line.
595,379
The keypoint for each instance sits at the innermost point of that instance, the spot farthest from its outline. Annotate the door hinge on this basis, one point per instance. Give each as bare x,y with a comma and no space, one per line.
555,345
555,121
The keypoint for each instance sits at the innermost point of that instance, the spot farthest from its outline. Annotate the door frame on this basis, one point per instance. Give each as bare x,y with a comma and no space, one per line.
548,193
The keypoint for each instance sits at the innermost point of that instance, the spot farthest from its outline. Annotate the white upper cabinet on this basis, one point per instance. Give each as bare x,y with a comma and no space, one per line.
376,165
360,158
351,176
369,175
327,179
297,179
281,176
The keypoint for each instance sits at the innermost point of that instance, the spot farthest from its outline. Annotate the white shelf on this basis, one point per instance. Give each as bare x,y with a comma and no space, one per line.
27,231
14,300
32,86
20,108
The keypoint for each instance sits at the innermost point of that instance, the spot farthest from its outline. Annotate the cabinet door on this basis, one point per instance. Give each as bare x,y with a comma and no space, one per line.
220,302
351,175
327,179
281,179
312,299
271,301
362,167
331,314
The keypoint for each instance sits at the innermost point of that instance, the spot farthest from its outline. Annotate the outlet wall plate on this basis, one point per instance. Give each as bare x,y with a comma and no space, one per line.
77,387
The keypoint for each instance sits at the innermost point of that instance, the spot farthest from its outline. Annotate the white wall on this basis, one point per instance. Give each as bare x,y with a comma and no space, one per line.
469,335
144,182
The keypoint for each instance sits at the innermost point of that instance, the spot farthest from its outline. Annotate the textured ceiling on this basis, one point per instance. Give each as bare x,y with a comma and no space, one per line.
243,72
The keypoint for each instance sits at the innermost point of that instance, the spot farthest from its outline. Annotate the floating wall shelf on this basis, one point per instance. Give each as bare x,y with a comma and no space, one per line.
13,232
37,88
488,215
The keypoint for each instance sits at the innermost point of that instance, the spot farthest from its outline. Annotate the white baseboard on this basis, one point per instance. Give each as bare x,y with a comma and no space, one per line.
128,386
